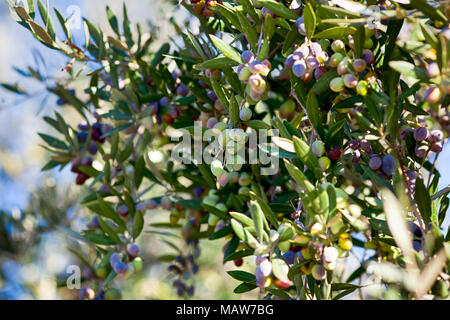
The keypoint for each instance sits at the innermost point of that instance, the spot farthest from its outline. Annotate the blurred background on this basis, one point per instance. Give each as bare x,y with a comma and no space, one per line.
33,203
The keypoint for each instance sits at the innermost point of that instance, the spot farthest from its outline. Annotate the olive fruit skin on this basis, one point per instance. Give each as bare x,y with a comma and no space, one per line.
435,136
318,148
388,164
337,84
421,134
133,249
248,56
319,272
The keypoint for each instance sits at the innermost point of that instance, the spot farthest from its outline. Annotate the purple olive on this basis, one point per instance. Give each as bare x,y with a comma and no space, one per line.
366,146
182,90
435,136
120,267
375,162
299,68
301,26
115,257
421,134
122,211
289,61
133,249
368,56
412,176
92,149
354,144
388,164
82,136
312,62
437,147
248,56
289,256
433,70
421,151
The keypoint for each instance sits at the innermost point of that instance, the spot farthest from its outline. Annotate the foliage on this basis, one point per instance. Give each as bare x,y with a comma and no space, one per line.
351,99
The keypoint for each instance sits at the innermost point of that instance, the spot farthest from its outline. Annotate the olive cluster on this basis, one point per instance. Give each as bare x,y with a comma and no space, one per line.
184,267
88,137
253,74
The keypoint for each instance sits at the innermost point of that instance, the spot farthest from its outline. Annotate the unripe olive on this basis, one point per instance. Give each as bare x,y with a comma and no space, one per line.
245,73
345,241
306,254
318,148
221,126
361,87
217,167
368,43
324,43
319,272
287,107
337,84
244,191
335,59
244,179
337,46
330,265
137,264
286,231
113,294
245,114
324,163
284,246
